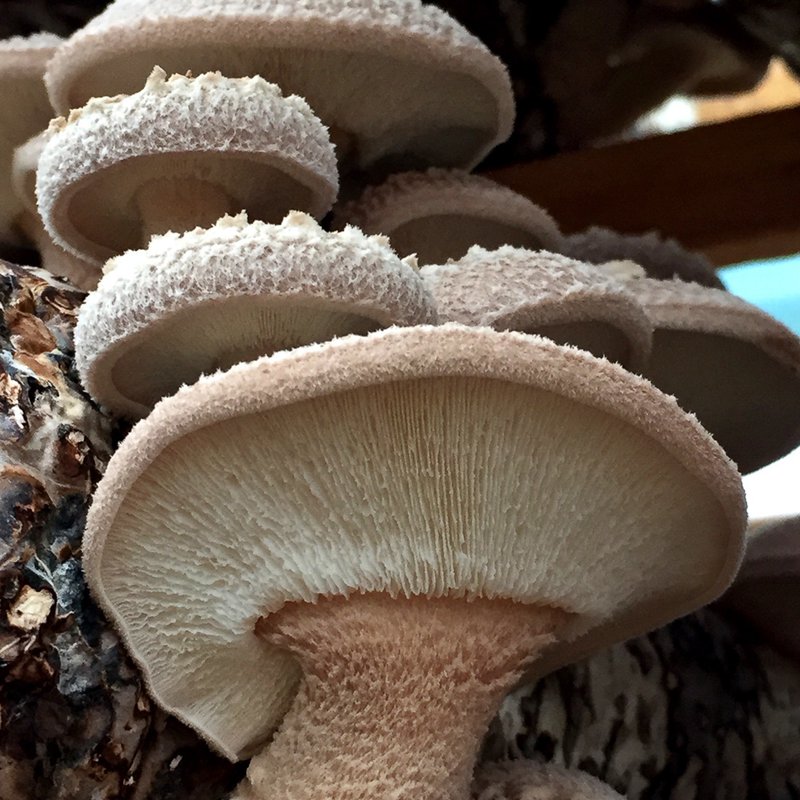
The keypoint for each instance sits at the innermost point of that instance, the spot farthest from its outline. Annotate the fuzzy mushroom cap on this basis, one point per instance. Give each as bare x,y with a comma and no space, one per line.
660,257
727,361
431,460
24,111
529,780
194,303
405,82
545,293
267,152
767,589
440,214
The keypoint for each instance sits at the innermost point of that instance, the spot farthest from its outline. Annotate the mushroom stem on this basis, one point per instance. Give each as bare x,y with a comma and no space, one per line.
180,204
397,694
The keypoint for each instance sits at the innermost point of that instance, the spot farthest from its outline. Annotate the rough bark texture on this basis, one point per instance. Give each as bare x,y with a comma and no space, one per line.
75,721
698,710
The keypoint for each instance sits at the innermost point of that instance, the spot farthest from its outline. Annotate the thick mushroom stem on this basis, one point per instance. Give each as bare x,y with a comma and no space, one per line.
397,694
180,204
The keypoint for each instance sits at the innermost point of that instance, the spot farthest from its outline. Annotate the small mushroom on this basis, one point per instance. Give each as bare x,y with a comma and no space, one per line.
398,82
660,257
529,780
207,299
735,367
440,214
544,293
179,153
24,111
368,542
55,259
767,589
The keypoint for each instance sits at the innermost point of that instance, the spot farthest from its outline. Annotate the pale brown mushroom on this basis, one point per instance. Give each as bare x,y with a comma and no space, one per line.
727,361
193,303
179,153
54,259
24,111
439,214
544,293
659,256
398,82
406,521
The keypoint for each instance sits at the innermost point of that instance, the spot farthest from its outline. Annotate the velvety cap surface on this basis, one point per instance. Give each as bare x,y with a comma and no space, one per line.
539,292
727,361
267,152
204,300
413,461
401,80
439,214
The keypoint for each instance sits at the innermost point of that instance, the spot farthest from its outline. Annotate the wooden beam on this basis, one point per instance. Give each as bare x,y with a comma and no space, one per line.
730,190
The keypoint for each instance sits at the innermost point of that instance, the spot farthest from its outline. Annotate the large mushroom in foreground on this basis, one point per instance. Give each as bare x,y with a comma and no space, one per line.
201,301
181,152
364,544
544,293
439,214
398,82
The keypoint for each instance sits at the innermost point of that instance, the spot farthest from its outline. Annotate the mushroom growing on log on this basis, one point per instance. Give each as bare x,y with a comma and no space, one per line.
439,214
278,521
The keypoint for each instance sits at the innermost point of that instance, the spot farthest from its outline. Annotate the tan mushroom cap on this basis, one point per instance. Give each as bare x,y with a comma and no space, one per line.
544,293
397,81
24,110
440,214
734,366
266,153
660,257
423,461
56,260
767,589
194,303
525,779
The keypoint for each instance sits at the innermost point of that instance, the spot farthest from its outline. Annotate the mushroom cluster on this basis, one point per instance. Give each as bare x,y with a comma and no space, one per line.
367,499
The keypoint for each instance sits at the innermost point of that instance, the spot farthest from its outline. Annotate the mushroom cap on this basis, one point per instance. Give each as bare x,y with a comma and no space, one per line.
429,460
420,89
24,110
767,589
730,363
193,303
544,293
23,169
268,152
660,257
439,214
525,779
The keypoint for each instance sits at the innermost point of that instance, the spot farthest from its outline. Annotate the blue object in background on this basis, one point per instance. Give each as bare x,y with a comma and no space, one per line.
771,285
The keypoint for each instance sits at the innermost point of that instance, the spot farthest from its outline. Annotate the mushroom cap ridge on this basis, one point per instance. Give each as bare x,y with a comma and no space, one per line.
408,29
390,359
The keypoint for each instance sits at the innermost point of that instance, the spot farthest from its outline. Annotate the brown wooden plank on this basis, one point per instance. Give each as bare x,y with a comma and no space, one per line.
730,190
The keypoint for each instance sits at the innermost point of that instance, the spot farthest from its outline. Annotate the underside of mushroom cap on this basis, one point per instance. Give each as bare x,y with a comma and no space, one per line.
734,366
268,153
439,214
404,83
433,461
194,303
767,589
660,257
24,111
545,293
